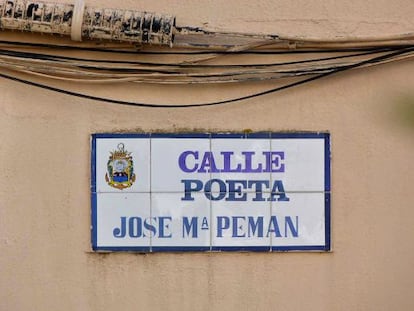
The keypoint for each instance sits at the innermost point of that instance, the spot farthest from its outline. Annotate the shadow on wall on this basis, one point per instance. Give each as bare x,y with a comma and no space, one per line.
404,111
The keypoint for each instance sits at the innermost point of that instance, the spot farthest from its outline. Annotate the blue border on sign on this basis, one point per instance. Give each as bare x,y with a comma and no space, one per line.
138,249
241,248
93,194
120,135
327,192
298,135
327,221
180,135
228,135
327,163
180,249
257,135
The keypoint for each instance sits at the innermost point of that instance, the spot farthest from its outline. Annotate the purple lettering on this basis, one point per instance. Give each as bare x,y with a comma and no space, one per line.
183,163
248,161
208,161
274,161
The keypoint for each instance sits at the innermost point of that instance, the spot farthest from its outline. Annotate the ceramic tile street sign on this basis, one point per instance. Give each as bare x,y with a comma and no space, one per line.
211,192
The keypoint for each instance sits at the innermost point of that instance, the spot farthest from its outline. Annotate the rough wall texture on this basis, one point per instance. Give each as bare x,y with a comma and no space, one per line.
45,257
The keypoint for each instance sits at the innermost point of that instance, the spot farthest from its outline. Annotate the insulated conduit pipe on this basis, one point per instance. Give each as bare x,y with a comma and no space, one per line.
80,22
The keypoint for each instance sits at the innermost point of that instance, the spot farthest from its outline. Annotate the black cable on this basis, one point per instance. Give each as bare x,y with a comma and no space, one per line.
227,101
180,65
170,52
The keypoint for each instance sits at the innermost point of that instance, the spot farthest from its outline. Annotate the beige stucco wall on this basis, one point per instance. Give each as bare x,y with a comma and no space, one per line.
46,262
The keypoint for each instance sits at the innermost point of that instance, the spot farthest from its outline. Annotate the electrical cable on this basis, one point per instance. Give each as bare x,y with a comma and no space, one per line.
183,65
227,101
190,29
138,51
49,69
137,30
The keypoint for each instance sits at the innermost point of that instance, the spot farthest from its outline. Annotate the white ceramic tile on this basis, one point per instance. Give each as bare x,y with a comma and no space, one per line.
239,224
115,208
299,221
183,223
156,211
140,153
304,164
167,173
248,157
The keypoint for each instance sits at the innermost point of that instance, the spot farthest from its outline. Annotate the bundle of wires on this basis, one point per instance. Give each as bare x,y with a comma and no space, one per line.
191,64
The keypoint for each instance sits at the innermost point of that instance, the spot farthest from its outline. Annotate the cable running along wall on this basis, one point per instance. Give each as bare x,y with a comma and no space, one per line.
195,52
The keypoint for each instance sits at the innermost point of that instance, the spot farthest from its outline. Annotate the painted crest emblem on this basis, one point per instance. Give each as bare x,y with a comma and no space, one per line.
120,168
